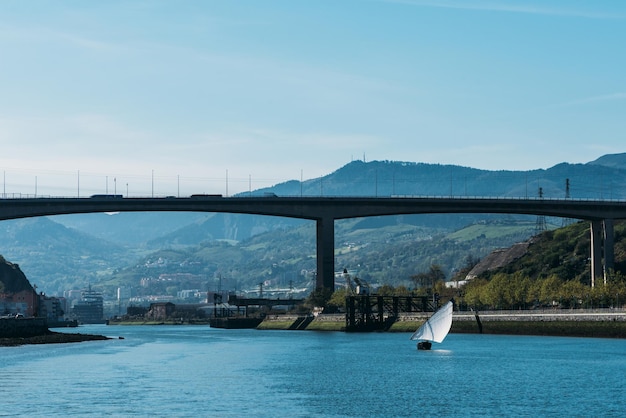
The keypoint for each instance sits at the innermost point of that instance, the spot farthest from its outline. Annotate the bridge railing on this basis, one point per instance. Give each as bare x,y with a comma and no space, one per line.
22,196
10,196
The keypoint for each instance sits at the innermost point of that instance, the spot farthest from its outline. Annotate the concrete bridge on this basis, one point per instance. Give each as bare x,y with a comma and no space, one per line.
325,210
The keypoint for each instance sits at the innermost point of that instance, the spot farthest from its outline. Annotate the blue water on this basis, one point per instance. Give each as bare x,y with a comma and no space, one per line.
187,371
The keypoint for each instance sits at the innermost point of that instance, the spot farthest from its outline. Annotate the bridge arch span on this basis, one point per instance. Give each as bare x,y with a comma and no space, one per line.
325,210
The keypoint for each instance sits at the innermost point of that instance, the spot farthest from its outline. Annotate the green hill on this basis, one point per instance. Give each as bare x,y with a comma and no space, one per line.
553,271
380,252
564,253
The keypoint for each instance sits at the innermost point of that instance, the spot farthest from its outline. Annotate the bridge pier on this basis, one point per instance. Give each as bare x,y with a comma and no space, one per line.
326,253
609,250
596,251
602,241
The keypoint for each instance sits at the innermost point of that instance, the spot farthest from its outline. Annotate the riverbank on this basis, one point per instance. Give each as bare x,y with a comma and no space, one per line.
50,337
596,324
117,321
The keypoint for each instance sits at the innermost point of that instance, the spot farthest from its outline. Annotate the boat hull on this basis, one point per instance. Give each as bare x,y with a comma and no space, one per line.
424,345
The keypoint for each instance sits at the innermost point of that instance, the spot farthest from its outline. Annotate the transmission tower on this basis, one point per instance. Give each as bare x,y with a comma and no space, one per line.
541,220
567,221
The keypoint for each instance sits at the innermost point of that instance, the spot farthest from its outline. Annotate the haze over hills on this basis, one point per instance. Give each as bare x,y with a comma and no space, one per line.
604,178
55,257
62,252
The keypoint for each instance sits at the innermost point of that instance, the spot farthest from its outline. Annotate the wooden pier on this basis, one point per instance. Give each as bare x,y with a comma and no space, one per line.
378,313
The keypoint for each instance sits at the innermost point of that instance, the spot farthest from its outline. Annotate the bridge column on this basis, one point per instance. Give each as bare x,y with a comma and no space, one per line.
326,253
596,252
609,251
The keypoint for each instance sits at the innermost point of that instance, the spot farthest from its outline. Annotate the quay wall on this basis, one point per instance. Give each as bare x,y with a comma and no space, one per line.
545,315
22,327
606,323
582,323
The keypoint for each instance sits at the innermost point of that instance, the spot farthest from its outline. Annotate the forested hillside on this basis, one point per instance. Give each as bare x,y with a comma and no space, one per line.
555,271
56,258
378,254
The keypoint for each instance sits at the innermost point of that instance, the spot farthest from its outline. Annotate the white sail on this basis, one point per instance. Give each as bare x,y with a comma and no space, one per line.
437,326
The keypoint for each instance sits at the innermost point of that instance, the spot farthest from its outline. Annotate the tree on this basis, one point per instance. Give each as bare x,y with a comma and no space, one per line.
386,290
338,298
319,297
429,278
403,291
498,292
550,290
520,290
572,293
470,263
473,292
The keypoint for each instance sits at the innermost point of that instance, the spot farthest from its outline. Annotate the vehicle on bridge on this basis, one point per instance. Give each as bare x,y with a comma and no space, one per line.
205,196
106,196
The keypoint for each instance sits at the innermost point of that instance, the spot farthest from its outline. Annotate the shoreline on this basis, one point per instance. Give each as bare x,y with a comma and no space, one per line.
51,337
547,323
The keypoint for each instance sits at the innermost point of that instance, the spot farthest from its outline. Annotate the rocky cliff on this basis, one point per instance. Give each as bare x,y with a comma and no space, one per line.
12,279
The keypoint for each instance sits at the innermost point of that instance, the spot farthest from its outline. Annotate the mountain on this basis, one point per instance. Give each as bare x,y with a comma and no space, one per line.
617,161
57,258
129,229
232,227
594,180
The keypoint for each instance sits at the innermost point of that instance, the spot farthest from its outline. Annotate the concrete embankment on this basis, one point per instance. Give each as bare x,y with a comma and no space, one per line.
579,323
22,327
573,323
328,322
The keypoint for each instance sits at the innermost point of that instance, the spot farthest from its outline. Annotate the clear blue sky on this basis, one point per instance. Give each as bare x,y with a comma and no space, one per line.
197,95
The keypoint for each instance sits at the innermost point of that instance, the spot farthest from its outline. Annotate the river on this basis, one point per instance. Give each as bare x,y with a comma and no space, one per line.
197,371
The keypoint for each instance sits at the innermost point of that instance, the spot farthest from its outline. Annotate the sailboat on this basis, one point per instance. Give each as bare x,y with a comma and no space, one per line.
435,329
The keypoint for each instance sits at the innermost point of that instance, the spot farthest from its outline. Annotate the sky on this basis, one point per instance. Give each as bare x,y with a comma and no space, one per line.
159,97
